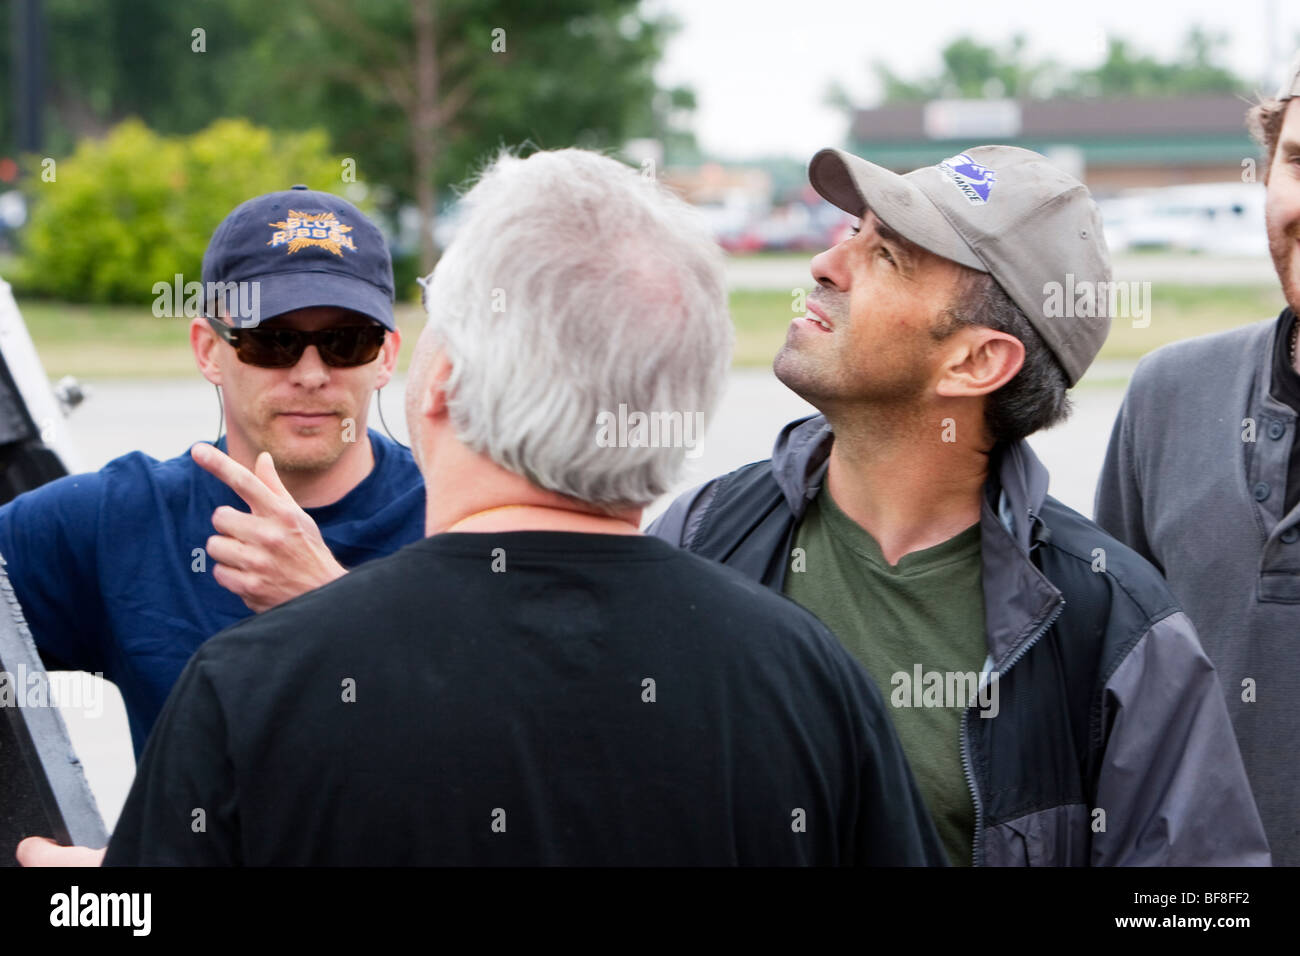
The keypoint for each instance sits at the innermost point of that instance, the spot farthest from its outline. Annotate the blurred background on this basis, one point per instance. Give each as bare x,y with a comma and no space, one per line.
128,129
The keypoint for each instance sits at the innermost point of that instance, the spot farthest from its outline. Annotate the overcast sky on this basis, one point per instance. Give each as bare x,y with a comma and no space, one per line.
761,68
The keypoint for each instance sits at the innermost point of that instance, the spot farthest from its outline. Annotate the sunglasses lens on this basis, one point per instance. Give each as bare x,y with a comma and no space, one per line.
342,347
350,345
270,348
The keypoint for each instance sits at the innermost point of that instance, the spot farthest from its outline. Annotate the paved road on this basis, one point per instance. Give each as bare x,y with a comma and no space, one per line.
163,418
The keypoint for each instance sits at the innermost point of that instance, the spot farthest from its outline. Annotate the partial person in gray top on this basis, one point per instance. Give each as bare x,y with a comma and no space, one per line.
1202,478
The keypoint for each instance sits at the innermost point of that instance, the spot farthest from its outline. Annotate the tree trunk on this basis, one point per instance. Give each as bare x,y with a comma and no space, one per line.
424,143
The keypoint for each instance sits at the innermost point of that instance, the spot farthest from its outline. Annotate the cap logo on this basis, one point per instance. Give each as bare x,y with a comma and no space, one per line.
975,181
303,229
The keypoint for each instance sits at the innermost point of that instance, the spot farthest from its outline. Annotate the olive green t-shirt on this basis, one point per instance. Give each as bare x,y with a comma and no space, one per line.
904,623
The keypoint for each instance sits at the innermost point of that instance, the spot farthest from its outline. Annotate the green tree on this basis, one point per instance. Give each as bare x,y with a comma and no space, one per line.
421,90
1126,72
416,91
134,208
973,70
108,61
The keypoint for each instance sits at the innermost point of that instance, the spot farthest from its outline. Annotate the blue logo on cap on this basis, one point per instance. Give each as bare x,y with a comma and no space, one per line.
975,181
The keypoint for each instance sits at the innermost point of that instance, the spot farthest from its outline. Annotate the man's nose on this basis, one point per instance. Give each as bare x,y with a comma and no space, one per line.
828,268
310,371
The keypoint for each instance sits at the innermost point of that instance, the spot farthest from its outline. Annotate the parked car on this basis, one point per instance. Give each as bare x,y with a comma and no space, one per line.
1215,218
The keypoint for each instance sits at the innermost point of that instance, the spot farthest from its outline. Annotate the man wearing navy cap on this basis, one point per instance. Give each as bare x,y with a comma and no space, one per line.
126,571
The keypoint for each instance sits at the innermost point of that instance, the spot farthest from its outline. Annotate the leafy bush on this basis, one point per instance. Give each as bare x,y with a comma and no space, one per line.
135,208
406,270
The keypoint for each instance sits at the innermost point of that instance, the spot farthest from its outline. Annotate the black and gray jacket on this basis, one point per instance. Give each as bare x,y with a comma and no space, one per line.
1112,744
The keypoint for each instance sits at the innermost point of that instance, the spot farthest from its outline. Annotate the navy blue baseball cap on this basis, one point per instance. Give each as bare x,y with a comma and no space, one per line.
298,248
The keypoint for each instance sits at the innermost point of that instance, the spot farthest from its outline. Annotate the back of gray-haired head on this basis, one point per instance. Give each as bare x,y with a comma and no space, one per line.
583,308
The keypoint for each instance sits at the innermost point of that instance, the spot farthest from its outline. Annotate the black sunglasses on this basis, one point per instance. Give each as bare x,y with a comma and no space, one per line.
343,346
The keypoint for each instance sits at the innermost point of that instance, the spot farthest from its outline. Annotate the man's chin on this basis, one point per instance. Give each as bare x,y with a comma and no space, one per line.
1285,264
305,453
1291,292
794,369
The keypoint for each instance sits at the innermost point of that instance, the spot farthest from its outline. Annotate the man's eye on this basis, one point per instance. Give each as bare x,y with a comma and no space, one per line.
887,254
854,230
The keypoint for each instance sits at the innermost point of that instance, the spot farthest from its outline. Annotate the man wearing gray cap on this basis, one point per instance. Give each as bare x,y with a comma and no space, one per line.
1202,478
1052,698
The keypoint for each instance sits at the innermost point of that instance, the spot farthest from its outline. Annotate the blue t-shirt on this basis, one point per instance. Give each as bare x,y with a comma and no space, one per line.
106,569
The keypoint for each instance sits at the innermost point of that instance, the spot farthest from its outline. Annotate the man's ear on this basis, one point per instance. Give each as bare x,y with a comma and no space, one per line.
204,343
433,403
980,361
388,357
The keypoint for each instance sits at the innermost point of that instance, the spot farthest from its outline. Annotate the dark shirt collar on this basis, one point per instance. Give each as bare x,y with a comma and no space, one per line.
1285,383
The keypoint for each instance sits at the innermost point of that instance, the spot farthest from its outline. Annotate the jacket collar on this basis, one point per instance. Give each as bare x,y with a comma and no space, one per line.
1018,598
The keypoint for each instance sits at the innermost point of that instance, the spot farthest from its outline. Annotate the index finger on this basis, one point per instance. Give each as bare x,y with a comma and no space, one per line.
42,851
31,850
241,481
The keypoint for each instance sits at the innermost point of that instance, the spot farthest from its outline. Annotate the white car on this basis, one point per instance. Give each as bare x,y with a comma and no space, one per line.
1216,218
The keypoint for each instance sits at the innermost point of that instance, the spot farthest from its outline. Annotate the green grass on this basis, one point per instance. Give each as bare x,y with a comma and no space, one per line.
115,341
1185,311
1177,312
95,341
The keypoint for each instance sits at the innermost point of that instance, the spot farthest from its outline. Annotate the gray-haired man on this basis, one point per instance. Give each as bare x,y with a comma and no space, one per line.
537,682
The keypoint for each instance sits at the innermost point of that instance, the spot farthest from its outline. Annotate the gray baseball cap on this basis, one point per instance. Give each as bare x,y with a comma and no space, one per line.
998,209
1291,86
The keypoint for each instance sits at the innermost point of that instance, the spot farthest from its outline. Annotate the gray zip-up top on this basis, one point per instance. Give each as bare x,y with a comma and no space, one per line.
1112,744
1195,481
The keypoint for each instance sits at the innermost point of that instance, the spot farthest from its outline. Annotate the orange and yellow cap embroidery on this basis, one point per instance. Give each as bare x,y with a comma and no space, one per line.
302,229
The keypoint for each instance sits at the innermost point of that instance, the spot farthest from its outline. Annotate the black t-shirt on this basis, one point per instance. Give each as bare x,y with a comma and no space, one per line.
1286,389
526,698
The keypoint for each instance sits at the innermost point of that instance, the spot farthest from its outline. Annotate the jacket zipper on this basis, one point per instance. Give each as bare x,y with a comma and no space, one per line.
965,745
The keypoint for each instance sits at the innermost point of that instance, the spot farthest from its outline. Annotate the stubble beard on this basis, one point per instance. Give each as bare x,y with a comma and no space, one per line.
839,390
809,372
301,460
800,373
305,454
1281,247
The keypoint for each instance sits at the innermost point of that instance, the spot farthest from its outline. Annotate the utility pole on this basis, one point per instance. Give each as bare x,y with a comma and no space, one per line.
27,73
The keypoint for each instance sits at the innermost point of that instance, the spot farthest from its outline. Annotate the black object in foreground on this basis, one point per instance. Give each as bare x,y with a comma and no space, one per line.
43,791
32,447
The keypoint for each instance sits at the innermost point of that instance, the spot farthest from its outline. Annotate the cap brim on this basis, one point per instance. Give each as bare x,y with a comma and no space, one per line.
283,292
855,185
1291,87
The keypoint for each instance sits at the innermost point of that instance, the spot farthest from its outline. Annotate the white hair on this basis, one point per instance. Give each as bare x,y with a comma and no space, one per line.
577,289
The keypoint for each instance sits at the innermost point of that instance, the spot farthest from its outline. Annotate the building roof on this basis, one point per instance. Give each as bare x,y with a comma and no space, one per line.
1192,129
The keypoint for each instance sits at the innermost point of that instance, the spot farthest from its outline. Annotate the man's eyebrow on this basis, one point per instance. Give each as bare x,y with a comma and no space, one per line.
1289,146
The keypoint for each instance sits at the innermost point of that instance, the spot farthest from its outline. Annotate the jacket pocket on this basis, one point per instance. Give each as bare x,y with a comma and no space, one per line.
1057,836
